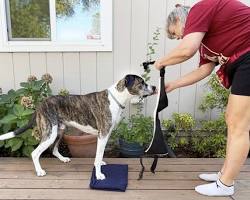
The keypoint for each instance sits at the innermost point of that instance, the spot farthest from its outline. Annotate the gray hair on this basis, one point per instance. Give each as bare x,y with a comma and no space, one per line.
179,13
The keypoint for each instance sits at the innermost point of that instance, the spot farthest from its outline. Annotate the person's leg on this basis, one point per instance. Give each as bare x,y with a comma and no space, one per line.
238,124
228,141
211,177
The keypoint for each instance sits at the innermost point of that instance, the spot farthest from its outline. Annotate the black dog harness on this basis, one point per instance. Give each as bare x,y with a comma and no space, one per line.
158,147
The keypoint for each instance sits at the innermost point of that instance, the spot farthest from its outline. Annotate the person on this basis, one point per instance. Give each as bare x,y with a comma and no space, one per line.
220,30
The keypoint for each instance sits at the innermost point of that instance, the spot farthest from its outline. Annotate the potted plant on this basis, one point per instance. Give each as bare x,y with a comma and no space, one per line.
80,144
133,134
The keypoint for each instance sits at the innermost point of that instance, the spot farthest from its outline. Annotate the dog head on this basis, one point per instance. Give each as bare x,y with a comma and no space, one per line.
135,85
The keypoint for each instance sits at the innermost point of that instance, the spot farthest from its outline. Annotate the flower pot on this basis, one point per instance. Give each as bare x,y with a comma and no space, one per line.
130,149
81,145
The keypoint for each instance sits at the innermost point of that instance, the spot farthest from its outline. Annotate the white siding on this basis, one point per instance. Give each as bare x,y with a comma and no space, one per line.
88,72
21,65
84,72
56,69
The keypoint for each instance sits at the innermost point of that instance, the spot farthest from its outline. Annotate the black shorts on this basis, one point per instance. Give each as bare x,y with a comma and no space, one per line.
239,75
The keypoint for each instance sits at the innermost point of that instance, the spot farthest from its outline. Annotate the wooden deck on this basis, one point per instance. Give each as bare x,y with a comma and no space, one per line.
174,179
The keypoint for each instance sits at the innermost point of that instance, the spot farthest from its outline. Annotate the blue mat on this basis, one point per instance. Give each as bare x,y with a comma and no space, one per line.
116,178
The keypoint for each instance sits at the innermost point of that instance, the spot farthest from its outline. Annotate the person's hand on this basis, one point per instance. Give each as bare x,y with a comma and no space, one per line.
170,86
158,64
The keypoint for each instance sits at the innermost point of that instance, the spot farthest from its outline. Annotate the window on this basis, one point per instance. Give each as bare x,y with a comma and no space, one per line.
55,25
28,20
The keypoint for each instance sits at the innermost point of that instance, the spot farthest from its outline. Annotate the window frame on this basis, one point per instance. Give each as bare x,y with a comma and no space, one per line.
104,44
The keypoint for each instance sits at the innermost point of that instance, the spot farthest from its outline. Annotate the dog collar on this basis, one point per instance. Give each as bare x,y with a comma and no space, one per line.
119,104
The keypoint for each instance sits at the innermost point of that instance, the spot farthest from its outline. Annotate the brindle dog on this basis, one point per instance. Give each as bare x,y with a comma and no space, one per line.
95,113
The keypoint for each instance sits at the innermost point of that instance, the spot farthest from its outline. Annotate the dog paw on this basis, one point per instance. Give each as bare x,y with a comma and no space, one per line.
65,159
41,173
100,176
103,163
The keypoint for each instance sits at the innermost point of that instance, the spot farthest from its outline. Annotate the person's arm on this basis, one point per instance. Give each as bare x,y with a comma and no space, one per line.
185,50
192,77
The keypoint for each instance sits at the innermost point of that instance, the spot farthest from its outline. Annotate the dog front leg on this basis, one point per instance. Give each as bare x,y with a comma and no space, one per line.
101,144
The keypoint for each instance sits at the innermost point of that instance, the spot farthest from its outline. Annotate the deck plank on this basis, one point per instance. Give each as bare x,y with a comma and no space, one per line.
104,195
131,161
84,184
88,167
85,175
174,179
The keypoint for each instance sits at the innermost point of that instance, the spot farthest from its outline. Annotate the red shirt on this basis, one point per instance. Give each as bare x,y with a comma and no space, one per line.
227,27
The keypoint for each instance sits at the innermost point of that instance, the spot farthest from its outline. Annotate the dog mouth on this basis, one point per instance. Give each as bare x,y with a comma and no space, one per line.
150,90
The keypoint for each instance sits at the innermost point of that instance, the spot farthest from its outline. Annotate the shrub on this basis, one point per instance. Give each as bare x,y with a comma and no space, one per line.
216,98
214,144
179,130
16,109
210,141
207,139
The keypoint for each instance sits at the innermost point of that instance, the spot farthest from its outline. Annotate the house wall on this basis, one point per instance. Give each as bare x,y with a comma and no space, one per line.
83,72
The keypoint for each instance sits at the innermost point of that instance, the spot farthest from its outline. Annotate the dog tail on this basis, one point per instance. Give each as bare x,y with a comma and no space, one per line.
19,130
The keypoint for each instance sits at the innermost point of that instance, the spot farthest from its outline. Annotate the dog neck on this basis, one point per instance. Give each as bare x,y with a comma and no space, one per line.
121,97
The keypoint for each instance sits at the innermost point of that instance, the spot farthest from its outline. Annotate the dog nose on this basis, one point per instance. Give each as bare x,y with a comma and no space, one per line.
153,88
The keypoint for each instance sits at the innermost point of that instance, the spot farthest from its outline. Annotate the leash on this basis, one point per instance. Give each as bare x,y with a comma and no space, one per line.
118,103
158,147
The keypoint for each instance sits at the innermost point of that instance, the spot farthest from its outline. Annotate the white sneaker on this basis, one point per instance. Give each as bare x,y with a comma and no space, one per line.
215,189
210,177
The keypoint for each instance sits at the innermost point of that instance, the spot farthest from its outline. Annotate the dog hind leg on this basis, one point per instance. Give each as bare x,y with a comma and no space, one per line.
56,153
41,148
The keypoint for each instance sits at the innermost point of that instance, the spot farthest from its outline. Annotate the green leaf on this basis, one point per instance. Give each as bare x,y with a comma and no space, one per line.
25,84
7,144
27,150
27,112
8,119
7,98
18,110
38,85
11,93
26,134
6,127
4,99
28,138
49,91
1,143
31,141
16,144
22,122
10,105
21,92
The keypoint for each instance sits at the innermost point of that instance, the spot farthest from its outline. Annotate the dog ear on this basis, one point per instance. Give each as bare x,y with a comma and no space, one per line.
126,82
121,85
129,80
